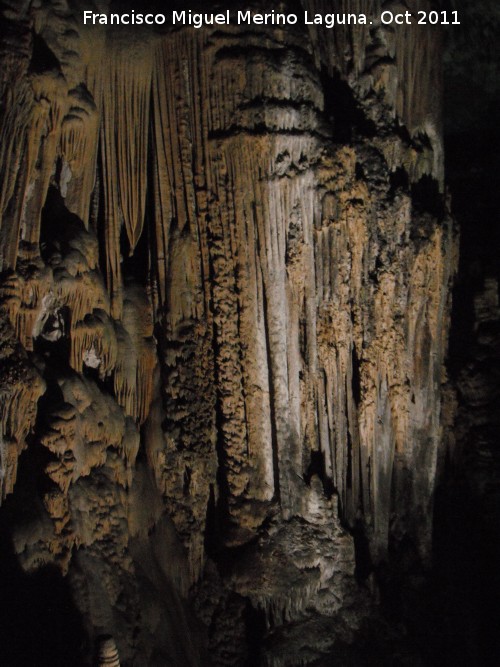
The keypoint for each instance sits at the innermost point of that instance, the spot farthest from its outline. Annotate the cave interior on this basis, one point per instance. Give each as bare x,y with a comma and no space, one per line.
249,338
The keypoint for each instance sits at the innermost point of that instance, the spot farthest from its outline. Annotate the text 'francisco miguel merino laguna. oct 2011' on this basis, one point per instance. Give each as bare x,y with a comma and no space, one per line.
247,17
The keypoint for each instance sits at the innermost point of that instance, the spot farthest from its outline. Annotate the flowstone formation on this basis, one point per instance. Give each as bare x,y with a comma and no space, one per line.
226,263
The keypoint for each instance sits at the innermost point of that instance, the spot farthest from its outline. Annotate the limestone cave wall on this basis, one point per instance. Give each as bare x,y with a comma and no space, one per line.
226,263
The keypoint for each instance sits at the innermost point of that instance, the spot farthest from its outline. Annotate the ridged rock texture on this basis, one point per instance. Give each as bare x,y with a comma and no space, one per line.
108,653
226,260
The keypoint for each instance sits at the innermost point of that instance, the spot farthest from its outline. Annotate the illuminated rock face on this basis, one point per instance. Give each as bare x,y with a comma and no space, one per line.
226,265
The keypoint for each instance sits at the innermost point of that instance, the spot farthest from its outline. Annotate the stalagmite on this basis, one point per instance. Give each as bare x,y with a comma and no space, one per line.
108,653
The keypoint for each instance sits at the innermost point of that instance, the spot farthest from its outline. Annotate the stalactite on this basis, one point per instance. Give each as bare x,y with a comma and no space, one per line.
18,106
94,343
80,131
21,387
402,67
126,90
136,356
182,267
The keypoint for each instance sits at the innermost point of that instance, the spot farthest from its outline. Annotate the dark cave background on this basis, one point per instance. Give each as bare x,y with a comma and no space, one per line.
467,519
